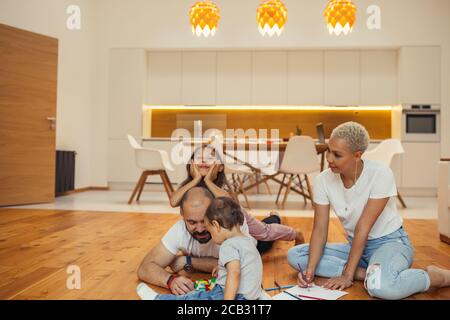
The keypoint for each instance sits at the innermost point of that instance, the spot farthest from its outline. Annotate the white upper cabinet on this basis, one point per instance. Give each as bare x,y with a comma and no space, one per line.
379,77
305,77
234,78
420,75
164,78
269,78
199,78
342,78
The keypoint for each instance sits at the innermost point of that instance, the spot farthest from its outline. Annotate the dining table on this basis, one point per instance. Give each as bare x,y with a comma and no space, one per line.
229,146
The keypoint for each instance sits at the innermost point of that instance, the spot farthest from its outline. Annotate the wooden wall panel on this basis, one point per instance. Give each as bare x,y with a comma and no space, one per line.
377,122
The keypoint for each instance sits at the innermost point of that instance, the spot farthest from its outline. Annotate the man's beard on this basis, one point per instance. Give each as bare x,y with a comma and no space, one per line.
206,234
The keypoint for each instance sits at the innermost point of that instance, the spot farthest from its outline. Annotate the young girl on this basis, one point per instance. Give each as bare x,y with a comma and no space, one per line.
206,169
240,265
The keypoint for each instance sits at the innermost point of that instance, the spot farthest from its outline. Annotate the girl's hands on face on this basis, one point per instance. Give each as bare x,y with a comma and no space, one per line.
212,172
195,173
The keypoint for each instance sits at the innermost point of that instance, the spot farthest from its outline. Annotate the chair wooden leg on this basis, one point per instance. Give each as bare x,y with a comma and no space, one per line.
137,187
169,183
401,200
288,188
268,187
281,187
256,177
309,189
144,180
166,182
301,187
230,190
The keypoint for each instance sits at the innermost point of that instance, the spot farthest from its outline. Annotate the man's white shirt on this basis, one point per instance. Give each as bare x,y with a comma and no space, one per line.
178,239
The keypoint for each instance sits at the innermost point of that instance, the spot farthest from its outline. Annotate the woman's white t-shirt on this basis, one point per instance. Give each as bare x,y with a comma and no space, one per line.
375,182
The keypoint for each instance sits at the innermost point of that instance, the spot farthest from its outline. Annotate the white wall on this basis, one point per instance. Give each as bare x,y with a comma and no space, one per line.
75,67
127,93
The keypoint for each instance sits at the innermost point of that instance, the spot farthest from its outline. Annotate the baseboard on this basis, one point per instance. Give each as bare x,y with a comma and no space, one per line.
80,190
444,239
129,186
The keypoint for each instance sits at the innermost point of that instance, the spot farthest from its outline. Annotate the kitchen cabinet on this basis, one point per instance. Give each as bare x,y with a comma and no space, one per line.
342,77
420,75
269,78
234,78
305,77
379,77
164,78
199,78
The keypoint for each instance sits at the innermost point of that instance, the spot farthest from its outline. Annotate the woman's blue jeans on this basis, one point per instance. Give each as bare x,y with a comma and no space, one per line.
387,259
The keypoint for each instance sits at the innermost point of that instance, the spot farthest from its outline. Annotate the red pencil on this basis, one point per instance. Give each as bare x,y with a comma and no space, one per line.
314,298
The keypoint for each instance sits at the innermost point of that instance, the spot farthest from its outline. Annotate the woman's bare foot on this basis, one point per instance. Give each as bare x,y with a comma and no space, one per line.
439,278
360,274
299,238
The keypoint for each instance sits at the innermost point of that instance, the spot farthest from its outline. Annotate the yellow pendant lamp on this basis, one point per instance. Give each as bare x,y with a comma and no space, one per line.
204,17
271,17
340,16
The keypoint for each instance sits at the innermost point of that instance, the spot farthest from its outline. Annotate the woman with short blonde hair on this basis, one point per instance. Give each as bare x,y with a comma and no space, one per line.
362,194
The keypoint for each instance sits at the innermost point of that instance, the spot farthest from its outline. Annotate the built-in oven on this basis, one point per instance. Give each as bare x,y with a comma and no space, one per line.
421,123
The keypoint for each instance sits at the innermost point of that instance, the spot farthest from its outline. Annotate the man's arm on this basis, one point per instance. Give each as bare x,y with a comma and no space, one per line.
152,271
152,268
204,264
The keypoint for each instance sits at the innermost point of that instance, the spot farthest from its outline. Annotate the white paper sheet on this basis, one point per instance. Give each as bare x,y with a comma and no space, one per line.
315,292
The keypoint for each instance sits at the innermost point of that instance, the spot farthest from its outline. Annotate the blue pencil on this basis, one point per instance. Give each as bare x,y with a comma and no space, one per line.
279,288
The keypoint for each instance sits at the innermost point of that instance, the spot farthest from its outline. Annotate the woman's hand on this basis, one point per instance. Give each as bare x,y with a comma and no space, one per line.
339,283
212,173
305,279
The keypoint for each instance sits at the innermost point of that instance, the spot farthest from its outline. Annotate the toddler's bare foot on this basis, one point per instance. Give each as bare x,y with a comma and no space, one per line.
360,274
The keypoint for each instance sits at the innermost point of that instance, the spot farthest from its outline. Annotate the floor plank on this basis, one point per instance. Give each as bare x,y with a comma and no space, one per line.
37,246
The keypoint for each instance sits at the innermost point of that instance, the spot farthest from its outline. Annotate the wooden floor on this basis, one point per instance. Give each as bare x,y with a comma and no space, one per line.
37,246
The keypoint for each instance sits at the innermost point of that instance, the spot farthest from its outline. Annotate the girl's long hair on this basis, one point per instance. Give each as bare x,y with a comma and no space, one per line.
220,179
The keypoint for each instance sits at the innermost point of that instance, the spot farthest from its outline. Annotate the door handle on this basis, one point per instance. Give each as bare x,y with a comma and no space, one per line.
52,121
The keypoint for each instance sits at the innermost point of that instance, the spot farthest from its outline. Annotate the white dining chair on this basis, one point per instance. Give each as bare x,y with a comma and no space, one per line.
384,153
300,159
237,175
151,162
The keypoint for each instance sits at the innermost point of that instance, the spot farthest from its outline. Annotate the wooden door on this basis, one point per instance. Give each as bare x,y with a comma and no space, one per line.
28,83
